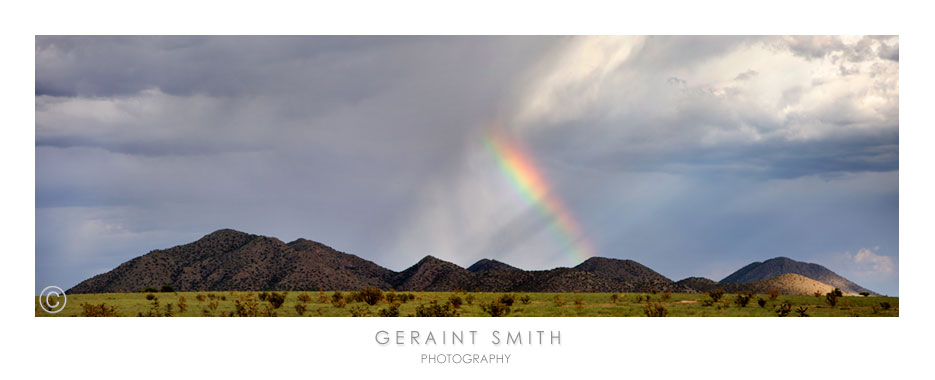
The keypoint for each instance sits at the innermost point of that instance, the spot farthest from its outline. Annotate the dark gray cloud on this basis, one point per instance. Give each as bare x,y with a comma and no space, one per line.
693,155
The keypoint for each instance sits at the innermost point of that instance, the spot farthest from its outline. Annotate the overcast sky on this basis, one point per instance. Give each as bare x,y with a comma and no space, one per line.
692,155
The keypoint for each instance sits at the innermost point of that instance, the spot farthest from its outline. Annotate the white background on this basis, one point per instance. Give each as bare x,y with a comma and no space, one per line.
345,347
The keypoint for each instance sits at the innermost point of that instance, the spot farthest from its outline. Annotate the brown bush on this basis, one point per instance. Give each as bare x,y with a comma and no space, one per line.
507,299
455,300
182,304
433,309
246,306
525,299
102,310
370,295
743,299
773,293
655,310
716,294
276,299
390,311
496,308
304,298
360,311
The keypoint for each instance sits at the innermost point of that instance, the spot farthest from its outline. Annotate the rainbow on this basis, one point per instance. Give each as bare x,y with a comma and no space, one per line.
527,179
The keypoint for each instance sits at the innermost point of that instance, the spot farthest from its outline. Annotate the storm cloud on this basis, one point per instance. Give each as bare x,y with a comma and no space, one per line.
692,155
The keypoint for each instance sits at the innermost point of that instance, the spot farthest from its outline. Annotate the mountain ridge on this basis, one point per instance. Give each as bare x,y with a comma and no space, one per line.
227,259
757,271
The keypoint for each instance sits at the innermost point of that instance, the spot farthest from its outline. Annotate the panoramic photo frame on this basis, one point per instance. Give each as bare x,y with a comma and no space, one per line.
540,176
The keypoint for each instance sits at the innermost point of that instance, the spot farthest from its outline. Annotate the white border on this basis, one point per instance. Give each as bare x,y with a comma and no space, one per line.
606,347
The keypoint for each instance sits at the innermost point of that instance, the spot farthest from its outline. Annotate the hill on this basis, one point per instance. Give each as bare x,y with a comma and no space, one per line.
484,265
781,265
634,276
234,260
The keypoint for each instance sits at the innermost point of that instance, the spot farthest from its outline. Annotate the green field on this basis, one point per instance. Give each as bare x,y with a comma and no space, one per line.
223,304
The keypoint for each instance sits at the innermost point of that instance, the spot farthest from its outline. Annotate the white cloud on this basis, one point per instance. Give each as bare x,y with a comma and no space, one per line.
874,262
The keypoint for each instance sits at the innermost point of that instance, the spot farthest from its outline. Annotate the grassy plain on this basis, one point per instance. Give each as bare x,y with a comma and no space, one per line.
222,304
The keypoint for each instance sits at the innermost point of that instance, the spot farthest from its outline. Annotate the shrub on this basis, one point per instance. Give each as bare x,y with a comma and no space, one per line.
263,296
507,299
391,311
817,293
469,299
832,297
182,304
360,311
246,306
166,289
370,295
579,302
200,297
761,302
460,291
455,300
323,298
716,294
150,297
525,299
640,299
390,297
773,293
655,310
300,308
784,309
277,299
304,298
875,308
865,294
707,303
496,308
614,297
743,299
149,289
433,309
558,301
339,302
801,311
885,305
154,310
666,296
102,310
